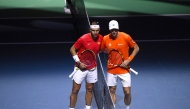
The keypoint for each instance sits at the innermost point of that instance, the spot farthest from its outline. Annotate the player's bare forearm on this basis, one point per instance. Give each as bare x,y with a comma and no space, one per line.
125,63
135,50
74,53
73,50
133,54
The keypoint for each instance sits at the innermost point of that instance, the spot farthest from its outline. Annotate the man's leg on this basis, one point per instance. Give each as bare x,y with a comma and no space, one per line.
113,95
126,83
74,94
88,97
112,83
127,98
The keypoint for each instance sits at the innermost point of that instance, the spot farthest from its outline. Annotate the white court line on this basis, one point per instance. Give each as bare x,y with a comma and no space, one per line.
68,42
171,15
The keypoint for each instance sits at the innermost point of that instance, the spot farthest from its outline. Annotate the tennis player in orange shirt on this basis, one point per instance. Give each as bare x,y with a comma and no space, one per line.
121,42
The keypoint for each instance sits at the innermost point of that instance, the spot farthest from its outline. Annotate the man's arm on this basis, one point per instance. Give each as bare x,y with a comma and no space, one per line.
74,54
133,54
73,51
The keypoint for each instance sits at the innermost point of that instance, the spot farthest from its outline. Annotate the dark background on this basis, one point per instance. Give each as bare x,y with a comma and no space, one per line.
62,30
35,60
157,20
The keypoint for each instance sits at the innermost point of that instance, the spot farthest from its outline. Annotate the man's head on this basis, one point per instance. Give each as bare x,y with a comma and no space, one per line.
114,28
94,29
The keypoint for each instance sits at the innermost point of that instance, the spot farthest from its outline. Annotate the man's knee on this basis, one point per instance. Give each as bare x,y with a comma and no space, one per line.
128,94
89,89
112,90
75,91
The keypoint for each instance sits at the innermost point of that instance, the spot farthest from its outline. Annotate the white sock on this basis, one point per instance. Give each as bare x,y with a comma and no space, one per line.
114,105
87,107
127,107
71,108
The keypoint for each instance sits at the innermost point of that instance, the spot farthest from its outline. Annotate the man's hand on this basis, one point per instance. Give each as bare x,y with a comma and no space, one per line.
81,65
125,64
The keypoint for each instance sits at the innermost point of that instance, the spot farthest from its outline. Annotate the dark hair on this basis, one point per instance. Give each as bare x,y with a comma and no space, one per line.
94,23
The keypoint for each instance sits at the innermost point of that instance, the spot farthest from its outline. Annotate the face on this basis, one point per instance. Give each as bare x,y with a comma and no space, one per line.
94,32
114,33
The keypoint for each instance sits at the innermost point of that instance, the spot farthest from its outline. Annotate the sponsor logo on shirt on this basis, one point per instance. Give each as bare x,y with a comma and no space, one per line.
120,44
109,44
98,42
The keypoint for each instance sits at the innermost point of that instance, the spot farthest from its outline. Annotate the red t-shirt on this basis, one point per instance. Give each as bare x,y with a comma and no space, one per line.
86,42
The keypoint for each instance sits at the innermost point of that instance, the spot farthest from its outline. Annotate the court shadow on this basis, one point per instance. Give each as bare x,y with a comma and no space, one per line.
81,101
120,99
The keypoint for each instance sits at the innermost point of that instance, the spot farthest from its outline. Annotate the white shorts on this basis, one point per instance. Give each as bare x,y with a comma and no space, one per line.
90,76
124,78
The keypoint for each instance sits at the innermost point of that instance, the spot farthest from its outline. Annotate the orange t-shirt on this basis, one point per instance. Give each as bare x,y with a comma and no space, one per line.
122,43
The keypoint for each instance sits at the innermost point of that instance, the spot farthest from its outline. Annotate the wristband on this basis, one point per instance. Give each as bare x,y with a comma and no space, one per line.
130,57
76,58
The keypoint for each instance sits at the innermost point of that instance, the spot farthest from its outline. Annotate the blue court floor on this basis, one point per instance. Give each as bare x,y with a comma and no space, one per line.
35,76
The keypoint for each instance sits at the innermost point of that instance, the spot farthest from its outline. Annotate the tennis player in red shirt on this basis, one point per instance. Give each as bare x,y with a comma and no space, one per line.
91,41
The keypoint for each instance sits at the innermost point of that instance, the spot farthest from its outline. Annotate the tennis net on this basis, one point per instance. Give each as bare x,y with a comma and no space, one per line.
81,24
101,90
80,16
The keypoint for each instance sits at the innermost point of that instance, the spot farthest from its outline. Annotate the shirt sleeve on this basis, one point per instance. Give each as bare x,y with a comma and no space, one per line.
102,44
78,44
129,40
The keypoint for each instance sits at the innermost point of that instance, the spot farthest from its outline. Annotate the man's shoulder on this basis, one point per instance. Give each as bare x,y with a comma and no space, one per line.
100,35
124,34
85,36
106,36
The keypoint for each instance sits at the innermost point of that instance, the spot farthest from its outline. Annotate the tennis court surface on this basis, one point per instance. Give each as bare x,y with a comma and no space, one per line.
35,76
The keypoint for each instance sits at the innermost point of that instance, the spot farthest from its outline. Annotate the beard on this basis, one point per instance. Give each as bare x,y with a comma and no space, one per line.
114,35
95,35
